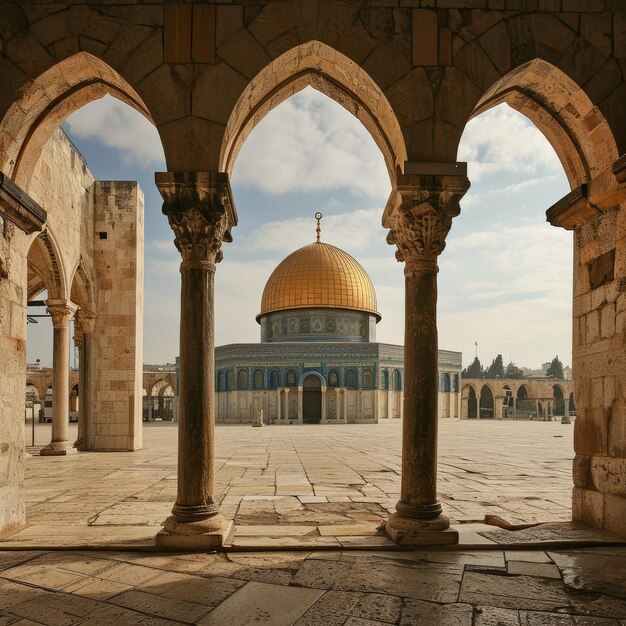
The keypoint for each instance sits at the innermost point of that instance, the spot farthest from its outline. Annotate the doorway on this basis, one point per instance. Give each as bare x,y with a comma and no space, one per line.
312,400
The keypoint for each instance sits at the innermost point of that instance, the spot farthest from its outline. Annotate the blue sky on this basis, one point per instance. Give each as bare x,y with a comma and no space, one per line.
505,276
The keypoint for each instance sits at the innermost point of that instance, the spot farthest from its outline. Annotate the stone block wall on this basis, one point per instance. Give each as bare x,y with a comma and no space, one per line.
117,352
13,249
599,351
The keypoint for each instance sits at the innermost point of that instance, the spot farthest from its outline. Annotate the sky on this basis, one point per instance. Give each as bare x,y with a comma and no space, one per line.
505,276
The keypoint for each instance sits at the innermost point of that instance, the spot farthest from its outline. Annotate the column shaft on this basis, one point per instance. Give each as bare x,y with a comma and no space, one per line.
419,436
61,312
196,441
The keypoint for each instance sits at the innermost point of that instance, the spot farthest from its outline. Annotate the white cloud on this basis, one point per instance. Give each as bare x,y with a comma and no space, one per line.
116,125
355,232
310,143
502,140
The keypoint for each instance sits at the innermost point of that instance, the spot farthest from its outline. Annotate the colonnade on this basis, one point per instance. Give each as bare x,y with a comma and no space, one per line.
61,312
201,211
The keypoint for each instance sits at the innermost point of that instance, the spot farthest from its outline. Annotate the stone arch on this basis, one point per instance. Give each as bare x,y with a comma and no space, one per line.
82,290
486,406
325,69
45,267
522,393
305,375
558,395
562,111
48,100
159,387
469,396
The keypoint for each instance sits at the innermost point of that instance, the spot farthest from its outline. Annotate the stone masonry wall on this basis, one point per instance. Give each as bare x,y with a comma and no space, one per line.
13,248
599,347
117,351
62,185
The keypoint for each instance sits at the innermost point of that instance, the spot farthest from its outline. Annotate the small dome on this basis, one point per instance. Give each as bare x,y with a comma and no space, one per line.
319,276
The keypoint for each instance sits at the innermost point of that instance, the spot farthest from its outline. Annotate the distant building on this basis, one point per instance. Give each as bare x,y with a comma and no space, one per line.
318,360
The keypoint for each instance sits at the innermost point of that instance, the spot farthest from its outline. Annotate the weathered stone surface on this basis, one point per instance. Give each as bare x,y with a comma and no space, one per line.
258,603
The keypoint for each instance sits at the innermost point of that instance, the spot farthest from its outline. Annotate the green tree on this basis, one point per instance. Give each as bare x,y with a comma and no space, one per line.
475,370
496,369
512,371
556,368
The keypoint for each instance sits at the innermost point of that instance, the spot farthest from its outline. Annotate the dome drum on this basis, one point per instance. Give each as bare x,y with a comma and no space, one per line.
318,325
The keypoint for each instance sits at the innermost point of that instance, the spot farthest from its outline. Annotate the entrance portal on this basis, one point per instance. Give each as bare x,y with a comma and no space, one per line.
312,400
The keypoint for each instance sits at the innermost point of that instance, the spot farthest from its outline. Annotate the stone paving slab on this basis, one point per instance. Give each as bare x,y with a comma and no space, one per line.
350,474
454,588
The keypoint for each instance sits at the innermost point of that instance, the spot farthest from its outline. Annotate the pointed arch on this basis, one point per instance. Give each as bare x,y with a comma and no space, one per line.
45,267
48,100
317,65
562,111
81,289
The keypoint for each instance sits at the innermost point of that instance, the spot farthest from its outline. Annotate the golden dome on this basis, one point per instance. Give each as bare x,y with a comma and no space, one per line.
319,276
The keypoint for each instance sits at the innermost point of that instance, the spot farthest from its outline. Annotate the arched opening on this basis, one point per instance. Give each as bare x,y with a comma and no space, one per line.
558,401
333,378
572,405
242,379
352,379
333,74
312,399
486,403
274,379
384,379
472,403
257,380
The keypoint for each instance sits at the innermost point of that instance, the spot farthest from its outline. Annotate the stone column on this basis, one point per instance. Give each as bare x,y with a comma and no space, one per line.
84,324
201,212
419,220
301,404
62,312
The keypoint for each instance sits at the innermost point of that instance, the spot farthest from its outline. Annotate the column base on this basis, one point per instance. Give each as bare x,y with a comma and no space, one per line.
420,532
211,533
50,450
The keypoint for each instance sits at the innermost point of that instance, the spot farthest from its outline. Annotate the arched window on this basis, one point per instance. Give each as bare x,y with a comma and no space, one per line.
242,379
333,378
456,383
291,378
396,380
220,381
352,379
384,379
258,379
368,379
227,380
446,381
274,378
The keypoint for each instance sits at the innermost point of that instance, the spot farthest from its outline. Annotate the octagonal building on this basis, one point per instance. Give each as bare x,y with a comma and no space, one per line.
318,360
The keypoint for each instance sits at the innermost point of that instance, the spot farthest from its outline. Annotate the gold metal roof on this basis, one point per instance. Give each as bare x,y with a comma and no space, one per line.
319,276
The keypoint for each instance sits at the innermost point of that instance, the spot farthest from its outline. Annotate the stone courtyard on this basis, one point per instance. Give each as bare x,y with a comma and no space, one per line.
312,497
330,485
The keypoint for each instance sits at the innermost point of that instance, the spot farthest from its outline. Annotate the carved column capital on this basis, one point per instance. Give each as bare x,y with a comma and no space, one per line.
201,212
420,215
84,323
61,312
